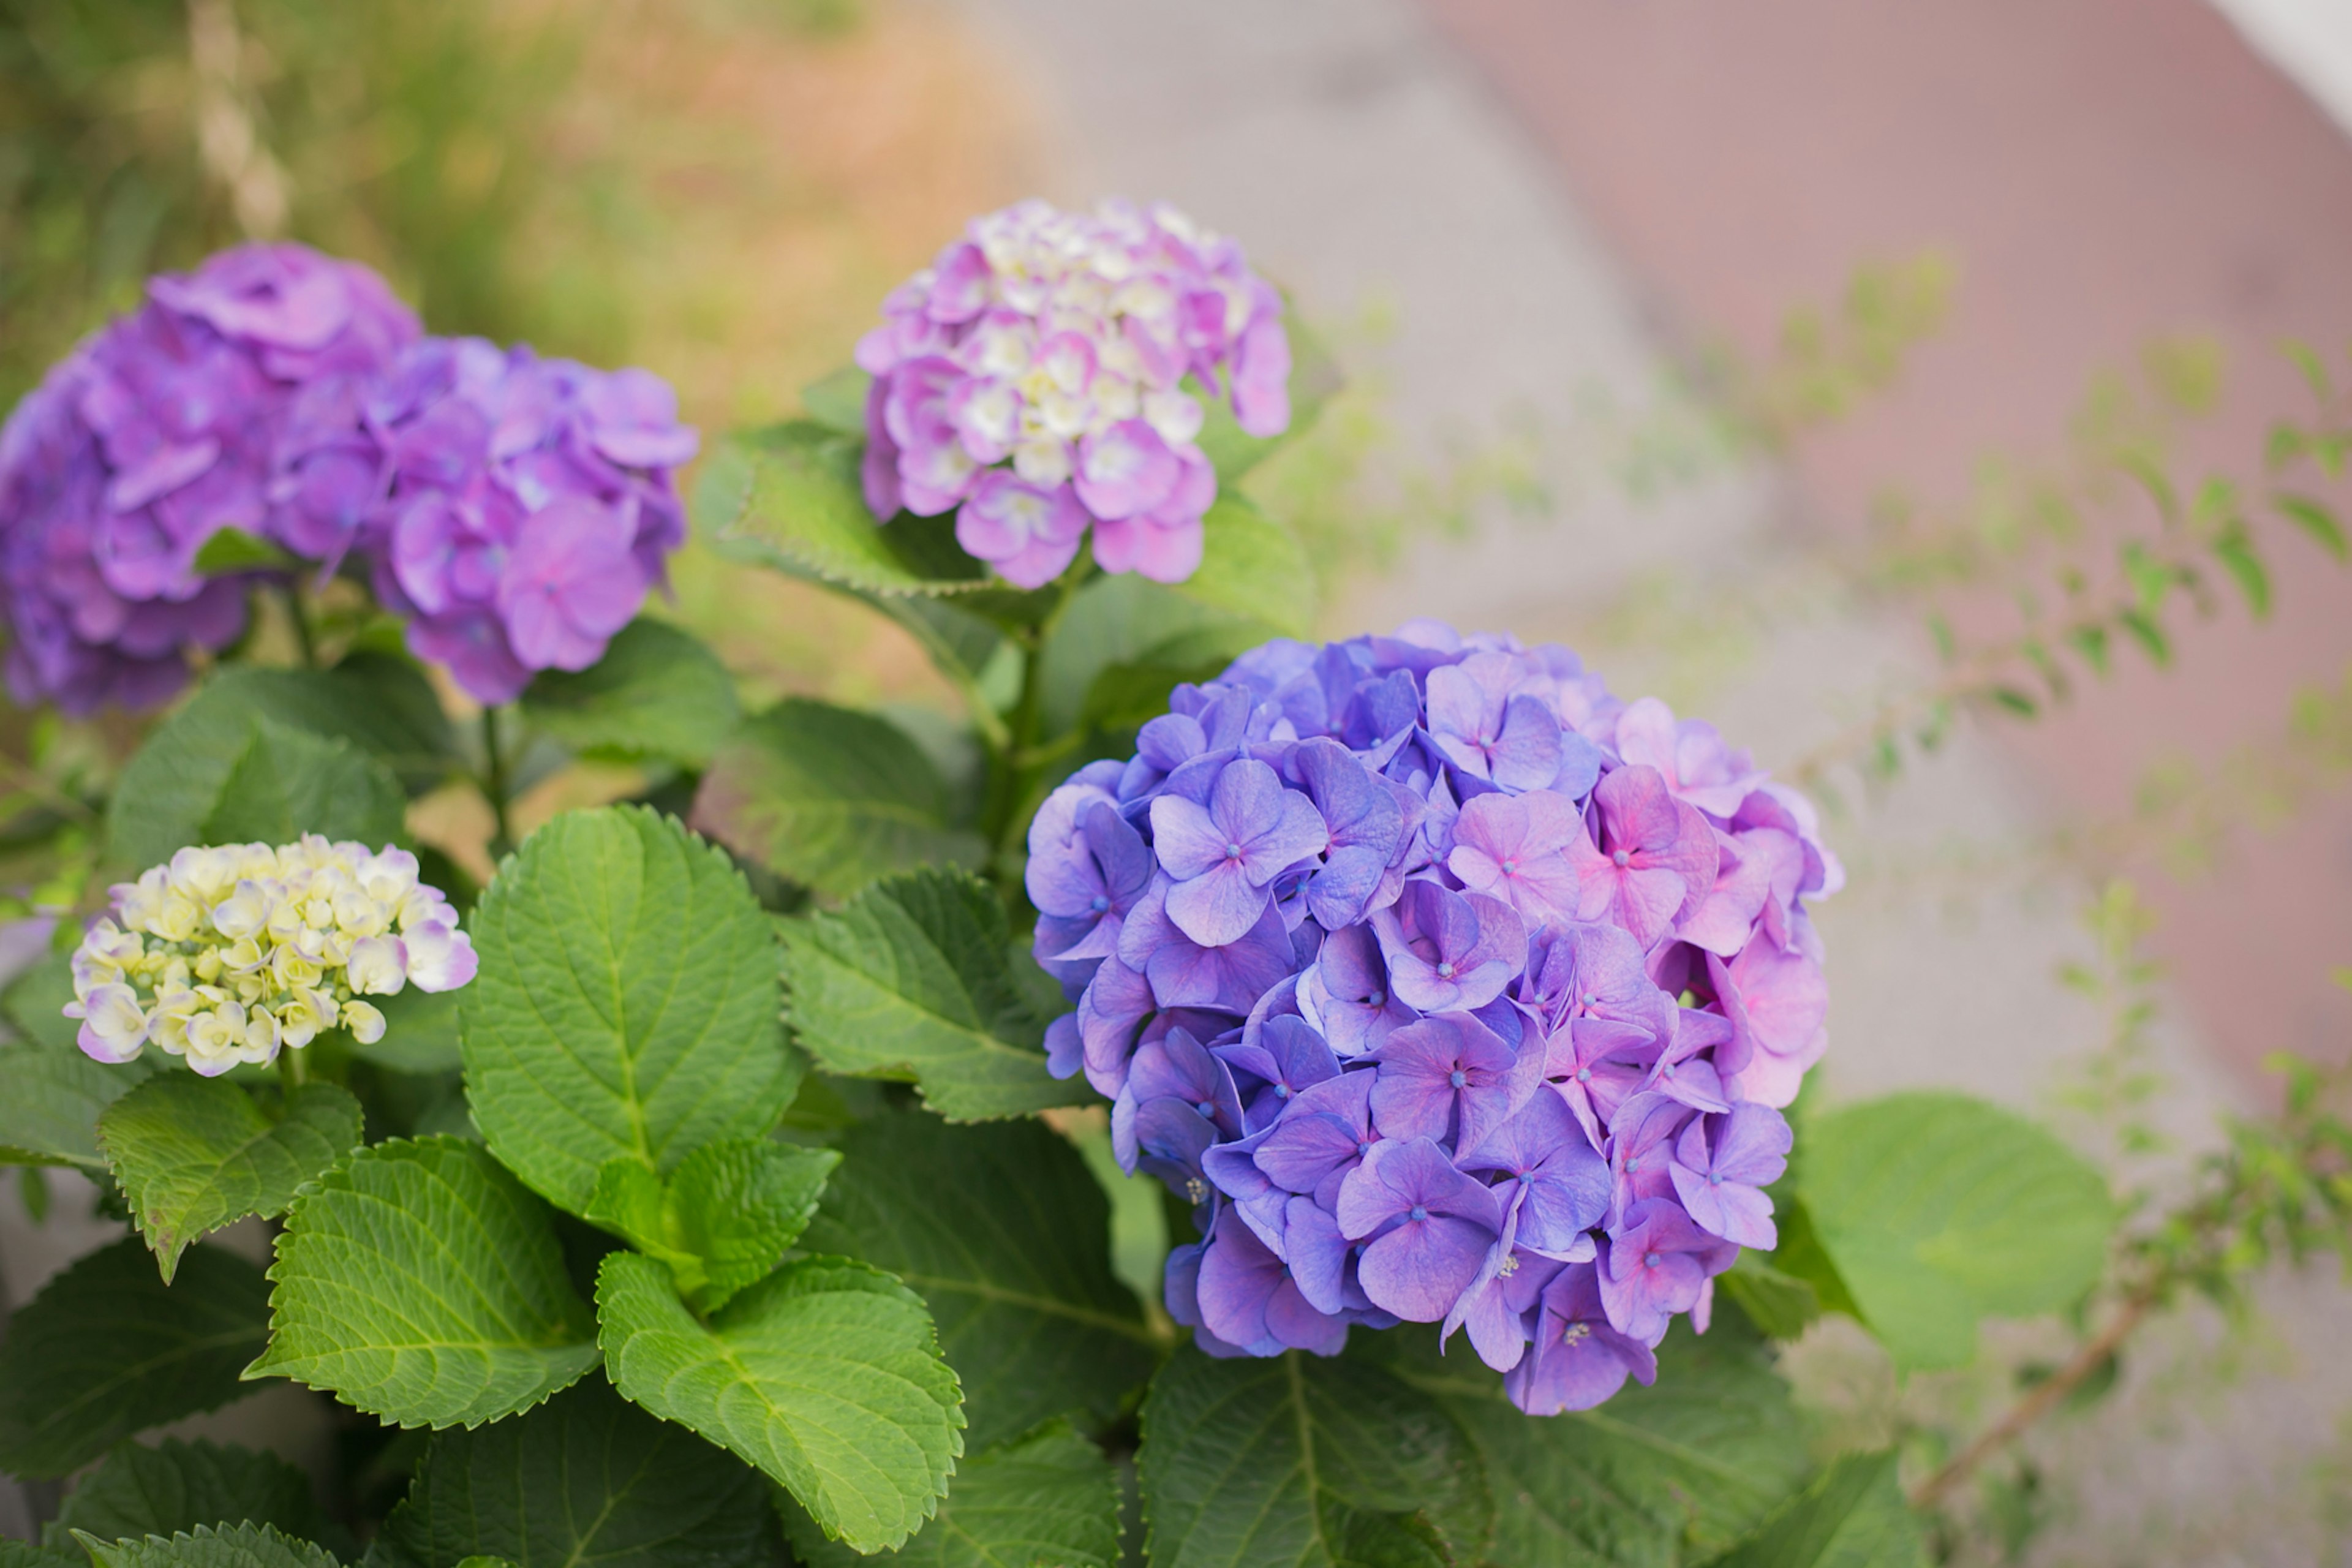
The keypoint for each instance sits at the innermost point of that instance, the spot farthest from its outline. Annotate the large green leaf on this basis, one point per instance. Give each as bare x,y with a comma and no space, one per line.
107,1349
177,1486
50,1099
217,774
658,693
25,1554
192,1154
34,1002
1936,1209
1298,1460
587,1478
1120,635
193,780
626,1003
830,798
1659,1475
789,495
1006,1232
420,1282
1254,567
724,1219
1049,1497
827,1375
1853,1516
238,1546
914,978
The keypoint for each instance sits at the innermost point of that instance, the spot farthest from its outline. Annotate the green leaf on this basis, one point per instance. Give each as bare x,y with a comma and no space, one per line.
420,1282
2315,518
1298,1460
837,402
723,1220
378,703
1254,567
1663,1474
587,1478
789,496
1853,1516
914,979
658,693
420,1032
626,1003
178,1485
1006,1232
231,550
830,798
192,1154
1049,1497
52,1097
213,777
1938,1209
34,1002
1781,1306
827,1375
106,1349
1314,377
2148,633
1127,623
239,1546
2235,550
25,1554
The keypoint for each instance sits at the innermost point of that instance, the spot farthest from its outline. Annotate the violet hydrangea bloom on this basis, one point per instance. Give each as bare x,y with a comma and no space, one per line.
527,504
155,433
1048,372
1447,989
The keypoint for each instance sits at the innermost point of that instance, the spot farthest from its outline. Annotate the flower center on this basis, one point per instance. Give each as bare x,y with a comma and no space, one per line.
1196,1189
1419,1212
1362,1149
1445,970
1592,999
1576,1333
1510,867
1282,1091
1633,1166
1457,1078
1510,1267
1651,1261
1584,1075
1207,1107
1621,858
1526,1177
1232,851
1101,903
1374,1000
1714,1178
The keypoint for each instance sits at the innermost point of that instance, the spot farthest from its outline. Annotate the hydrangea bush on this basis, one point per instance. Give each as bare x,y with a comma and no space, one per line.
770,1167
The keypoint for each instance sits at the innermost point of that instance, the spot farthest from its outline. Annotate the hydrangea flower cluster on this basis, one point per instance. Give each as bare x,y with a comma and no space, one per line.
514,509
1449,988
1034,378
156,432
229,953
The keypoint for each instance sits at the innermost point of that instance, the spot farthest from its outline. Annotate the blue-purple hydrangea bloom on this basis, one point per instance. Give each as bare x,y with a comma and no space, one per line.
156,432
517,509
514,510
1047,371
1449,988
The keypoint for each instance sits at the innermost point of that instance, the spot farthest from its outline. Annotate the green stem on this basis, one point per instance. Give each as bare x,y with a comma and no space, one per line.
304,637
292,1071
494,786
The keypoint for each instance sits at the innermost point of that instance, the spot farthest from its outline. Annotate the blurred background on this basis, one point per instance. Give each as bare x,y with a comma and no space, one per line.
1802,361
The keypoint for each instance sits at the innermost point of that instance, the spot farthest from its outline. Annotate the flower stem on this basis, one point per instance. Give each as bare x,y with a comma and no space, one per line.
300,617
2046,1396
494,786
292,1071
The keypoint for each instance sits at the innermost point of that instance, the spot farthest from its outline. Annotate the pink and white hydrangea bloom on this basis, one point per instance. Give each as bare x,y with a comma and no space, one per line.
226,955
1052,366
